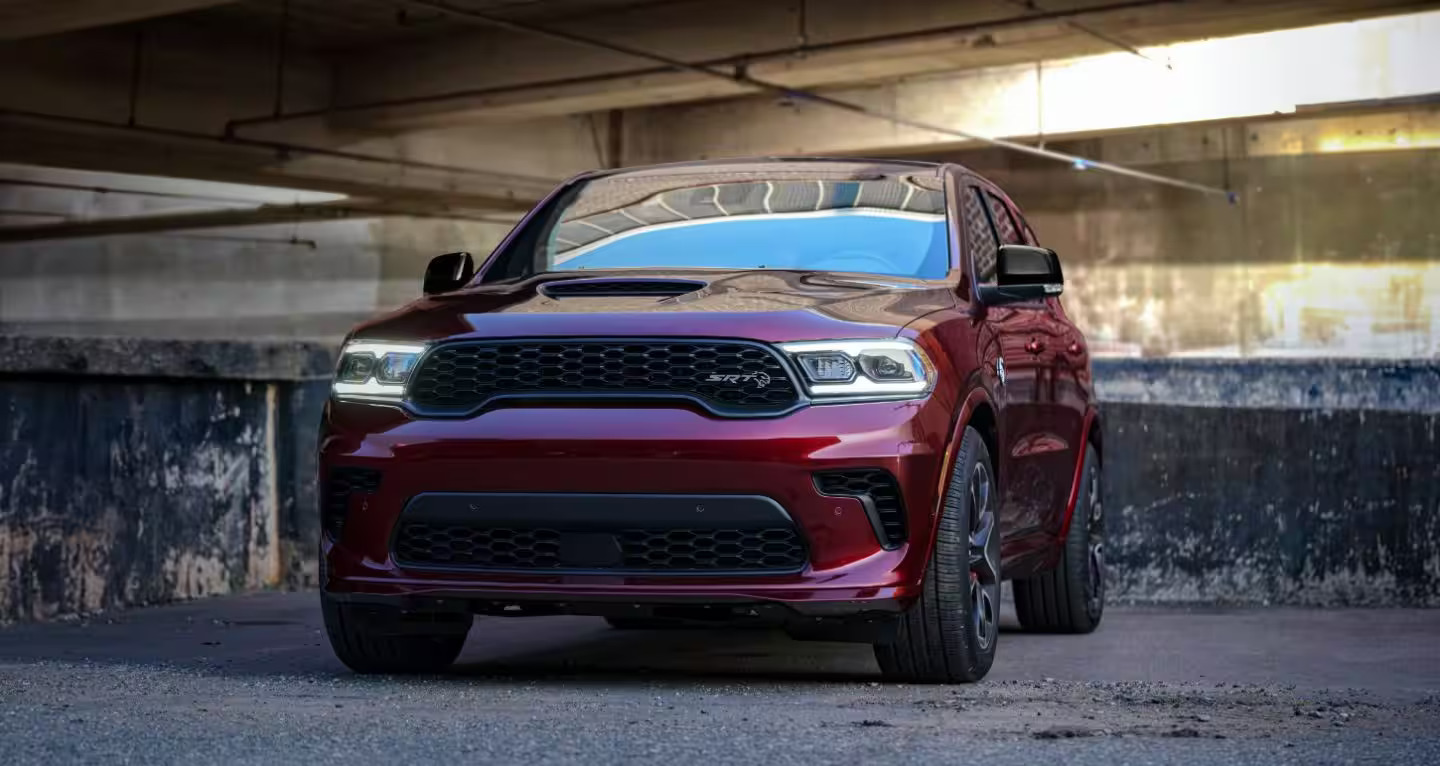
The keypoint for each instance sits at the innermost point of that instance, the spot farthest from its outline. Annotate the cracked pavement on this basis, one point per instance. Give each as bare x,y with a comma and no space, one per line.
250,679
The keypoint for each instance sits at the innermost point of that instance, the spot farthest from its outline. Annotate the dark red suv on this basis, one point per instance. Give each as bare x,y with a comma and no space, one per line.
839,397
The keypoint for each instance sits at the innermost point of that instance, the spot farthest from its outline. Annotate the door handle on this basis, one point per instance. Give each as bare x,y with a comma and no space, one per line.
1035,346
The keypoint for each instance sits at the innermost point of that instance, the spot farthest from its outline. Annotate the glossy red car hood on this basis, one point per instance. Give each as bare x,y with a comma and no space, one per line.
761,305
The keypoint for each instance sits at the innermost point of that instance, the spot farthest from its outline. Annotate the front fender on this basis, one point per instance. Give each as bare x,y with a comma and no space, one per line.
964,414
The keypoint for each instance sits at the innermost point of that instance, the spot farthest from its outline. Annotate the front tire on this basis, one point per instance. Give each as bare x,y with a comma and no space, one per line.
1071,597
364,649
949,634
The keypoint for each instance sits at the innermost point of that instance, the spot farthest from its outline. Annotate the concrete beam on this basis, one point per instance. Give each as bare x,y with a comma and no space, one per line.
115,148
1280,72
493,75
220,219
20,19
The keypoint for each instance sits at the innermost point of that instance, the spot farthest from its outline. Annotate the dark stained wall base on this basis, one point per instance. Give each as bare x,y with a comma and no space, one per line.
1273,506
126,491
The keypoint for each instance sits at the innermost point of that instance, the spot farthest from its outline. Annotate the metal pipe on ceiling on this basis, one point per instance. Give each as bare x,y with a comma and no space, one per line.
740,60
160,223
287,241
739,76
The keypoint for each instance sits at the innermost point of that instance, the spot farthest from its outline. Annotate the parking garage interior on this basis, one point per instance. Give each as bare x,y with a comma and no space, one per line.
199,198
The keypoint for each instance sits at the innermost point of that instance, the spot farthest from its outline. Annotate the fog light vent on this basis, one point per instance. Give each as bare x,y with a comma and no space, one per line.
342,483
878,491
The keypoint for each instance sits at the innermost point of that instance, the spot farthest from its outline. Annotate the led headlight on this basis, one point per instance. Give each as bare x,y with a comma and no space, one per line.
858,370
375,371
827,366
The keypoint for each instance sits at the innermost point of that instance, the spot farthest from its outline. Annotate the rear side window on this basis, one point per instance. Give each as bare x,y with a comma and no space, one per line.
980,234
1004,222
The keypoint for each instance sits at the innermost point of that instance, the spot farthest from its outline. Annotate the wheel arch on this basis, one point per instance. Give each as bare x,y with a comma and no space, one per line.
977,410
1094,434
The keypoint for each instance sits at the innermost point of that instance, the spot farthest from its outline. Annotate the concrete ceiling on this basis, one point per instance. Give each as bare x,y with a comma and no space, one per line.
358,26
474,72
426,107
21,19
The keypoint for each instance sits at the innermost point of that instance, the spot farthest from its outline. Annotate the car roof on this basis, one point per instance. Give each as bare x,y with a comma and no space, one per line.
857,165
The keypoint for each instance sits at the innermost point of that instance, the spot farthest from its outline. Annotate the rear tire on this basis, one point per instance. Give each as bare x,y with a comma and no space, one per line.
1071,597
949,634
365,650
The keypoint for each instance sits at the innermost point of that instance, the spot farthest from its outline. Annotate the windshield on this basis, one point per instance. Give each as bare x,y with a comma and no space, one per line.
818,221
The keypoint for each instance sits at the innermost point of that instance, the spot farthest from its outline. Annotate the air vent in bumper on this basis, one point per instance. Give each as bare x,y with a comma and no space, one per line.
880,494
469,546
343,482
638,533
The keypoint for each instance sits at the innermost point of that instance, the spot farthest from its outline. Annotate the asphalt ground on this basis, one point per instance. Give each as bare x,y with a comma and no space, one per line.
251,679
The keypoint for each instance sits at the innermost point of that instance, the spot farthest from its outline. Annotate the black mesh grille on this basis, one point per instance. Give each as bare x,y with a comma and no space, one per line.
342,483
649,550
657,288
730,377
712,549
486,547
880,487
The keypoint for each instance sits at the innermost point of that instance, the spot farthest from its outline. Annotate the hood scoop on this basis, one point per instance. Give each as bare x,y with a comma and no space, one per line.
597,288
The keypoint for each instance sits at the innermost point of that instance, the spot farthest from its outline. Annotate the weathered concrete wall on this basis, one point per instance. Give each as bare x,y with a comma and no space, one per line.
1273,506
131,491
1328,252
297,455
134,471
144,471
1275,482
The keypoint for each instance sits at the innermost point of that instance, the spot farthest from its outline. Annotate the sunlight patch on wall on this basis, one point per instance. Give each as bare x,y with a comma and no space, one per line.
1380,310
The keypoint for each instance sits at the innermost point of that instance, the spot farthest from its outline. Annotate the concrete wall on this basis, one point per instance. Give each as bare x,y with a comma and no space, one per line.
141,472
1326,253
1273,482
137,471
305,279
134,492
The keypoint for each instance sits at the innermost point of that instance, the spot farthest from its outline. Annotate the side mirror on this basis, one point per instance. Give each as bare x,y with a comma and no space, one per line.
448,272
1023,273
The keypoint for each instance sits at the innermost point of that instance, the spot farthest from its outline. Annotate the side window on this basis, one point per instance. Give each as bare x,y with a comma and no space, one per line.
980,234
1010,234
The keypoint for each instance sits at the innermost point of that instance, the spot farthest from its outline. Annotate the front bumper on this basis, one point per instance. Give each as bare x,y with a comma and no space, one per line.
643,450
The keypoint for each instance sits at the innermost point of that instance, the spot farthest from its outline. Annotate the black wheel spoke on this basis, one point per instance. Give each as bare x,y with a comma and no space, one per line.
1095,548
984,554
981,562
